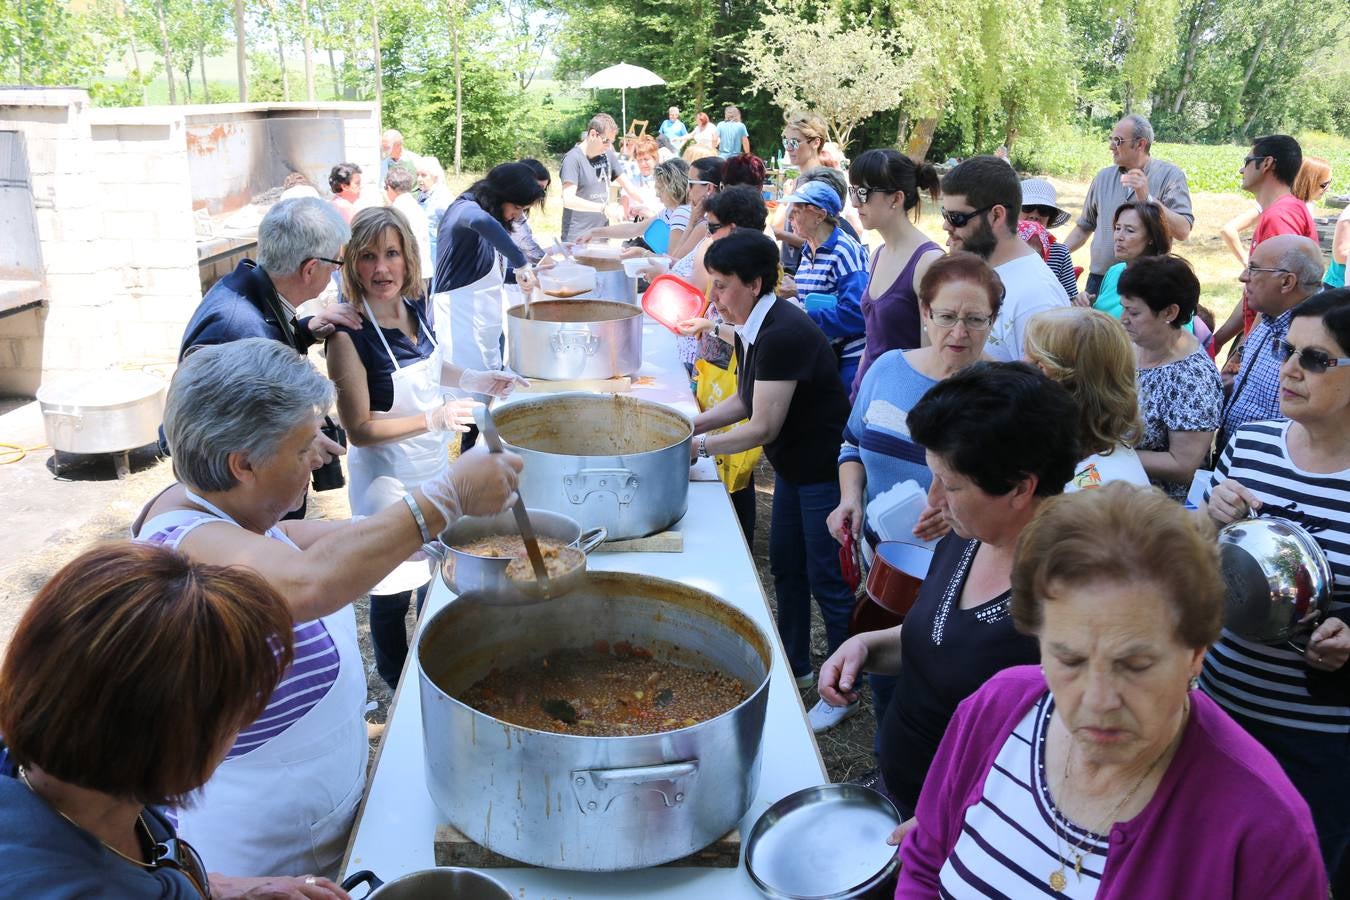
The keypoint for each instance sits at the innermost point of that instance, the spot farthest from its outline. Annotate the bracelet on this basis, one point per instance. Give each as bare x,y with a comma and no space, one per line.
716,333
703,446
418,518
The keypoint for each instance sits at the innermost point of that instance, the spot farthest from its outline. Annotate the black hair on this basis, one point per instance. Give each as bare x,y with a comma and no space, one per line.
987,181
748,254
1286,152
1160,281
894,171
506,183
1333,308
741,206
341,176
997,423
709,168
540,171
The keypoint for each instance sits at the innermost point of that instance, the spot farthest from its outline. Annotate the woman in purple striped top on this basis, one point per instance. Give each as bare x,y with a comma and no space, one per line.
243,421
1105,773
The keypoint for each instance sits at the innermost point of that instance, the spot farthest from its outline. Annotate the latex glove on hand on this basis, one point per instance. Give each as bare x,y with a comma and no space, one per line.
454,415
694,327
479,483
496,383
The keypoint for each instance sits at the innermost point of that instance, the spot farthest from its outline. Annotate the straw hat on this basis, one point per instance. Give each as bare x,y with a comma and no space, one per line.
1039,192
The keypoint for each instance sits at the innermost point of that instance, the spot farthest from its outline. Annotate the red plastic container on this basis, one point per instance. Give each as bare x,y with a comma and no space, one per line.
670,300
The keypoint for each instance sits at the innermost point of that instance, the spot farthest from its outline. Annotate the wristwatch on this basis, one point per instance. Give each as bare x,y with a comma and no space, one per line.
703,446
714,331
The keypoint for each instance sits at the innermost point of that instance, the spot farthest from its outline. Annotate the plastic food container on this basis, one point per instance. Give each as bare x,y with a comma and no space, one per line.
894,513
649,265
567,279
670,300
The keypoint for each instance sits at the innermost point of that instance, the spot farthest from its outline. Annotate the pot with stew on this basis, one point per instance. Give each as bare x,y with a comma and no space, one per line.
480,548
617,728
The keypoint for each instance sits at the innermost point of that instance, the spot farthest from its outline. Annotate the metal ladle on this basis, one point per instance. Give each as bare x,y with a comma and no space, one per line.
494,441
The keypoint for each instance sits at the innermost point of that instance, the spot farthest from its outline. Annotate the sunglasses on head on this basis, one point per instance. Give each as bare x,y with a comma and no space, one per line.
959,219
1310,360
861,194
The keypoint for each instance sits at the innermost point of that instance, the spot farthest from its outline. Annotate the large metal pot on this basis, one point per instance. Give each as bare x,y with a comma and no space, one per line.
464,572
565,339
591,803
1277,579
607,460
102,412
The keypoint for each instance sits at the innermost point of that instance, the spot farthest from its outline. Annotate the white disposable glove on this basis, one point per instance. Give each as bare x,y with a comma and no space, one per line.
455,414
479,483
496,383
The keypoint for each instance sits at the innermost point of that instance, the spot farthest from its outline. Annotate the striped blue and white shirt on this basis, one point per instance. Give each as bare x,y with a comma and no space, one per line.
1270,683
1015,836
838,267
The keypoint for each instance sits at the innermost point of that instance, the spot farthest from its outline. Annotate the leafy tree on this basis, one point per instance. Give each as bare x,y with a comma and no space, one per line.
45,42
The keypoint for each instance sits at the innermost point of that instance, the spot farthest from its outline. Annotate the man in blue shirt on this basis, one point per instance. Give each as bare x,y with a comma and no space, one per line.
732,138
672,129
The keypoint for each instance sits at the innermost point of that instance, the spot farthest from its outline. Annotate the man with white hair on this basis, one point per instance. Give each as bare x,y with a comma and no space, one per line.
299,248
393,153
672,129
1133,175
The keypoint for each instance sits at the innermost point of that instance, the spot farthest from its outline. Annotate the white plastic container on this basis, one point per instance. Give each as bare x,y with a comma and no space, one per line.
893,514
567,279
646,265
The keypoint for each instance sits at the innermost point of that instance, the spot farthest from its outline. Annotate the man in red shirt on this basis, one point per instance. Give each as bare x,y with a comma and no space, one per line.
1268,172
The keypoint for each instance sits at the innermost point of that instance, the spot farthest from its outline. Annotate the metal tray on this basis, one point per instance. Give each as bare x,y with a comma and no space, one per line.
823,842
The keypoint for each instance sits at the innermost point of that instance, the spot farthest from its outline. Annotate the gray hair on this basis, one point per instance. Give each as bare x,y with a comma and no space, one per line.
1143,128
1304,261
399,180
824,174
240,397
299,229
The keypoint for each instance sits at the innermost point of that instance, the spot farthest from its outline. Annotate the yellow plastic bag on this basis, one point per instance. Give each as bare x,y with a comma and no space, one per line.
713,385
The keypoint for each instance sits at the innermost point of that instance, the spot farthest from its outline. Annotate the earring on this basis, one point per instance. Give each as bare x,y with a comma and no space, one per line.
1195,682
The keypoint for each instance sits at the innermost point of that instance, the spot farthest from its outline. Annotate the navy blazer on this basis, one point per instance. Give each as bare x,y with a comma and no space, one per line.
243,304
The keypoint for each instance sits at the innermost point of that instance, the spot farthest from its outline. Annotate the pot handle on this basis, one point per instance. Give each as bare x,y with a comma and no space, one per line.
597,789
591,539
366,877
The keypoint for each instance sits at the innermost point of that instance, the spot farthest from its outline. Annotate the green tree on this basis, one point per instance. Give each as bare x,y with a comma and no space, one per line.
45,42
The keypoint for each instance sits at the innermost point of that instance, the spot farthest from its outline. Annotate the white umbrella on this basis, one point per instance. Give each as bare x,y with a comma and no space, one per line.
621,78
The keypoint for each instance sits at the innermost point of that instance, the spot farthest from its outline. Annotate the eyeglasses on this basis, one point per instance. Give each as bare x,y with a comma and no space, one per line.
1248,160
178,854
972,323
860,195
959,219
1120,141
713,228
335,262
791,143
1253,268
1312,361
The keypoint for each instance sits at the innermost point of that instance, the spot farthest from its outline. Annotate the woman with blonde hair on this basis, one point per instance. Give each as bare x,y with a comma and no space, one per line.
670,181
392,378
804,134
1089,353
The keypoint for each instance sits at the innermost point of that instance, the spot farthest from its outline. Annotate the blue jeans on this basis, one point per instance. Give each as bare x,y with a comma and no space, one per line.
848,370
1317,764
389,631
804,560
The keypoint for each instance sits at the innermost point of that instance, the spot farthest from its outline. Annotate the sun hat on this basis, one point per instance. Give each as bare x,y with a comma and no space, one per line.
816,193
1039,192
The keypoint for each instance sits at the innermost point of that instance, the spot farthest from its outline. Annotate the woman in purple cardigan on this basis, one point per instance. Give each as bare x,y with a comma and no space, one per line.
1104,773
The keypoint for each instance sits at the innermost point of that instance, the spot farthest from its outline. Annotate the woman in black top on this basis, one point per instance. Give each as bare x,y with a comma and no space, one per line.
788,388
1000,438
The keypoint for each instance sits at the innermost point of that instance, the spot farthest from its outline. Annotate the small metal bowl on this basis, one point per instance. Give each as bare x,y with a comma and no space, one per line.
1277,582
823,843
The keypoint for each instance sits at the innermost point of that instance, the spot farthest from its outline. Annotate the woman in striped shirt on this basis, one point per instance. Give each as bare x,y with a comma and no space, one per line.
1298,704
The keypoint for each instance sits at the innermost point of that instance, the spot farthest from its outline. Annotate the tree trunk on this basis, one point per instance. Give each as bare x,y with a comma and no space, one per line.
902,131
140,73
281,61
201,57
240,51
921,138
379,61
307,48
1198,18
332,60
164,48
187,78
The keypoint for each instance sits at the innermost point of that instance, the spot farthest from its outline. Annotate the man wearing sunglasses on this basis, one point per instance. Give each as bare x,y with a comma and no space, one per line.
1268,173
981,203
1133,175
1284,271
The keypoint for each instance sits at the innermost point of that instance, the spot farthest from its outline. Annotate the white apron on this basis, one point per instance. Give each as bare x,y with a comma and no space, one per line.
287,807
473,314
380,475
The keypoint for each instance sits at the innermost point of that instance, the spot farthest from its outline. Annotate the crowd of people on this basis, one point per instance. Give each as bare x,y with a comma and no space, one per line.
1062,711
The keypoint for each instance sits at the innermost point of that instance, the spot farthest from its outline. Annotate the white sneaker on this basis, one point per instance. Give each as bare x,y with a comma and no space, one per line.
823,716
805,681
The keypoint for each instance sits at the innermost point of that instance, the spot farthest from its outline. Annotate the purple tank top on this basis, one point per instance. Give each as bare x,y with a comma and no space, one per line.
891,320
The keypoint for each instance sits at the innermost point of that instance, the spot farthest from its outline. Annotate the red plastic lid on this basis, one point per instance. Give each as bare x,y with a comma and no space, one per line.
670,300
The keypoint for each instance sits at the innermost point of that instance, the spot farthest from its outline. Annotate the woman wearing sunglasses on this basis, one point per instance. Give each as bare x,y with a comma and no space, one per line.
1297,704
804,133
106,719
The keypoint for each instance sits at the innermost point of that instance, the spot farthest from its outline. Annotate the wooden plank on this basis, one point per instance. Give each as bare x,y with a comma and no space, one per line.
664,542
454,849
620,385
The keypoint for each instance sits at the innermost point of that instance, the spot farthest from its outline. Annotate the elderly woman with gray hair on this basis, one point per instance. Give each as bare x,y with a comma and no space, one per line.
243,420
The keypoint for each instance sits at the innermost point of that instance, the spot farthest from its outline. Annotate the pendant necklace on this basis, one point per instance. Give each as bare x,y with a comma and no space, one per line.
140,819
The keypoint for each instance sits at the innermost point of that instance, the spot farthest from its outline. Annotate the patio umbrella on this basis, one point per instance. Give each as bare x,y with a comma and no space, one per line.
622,77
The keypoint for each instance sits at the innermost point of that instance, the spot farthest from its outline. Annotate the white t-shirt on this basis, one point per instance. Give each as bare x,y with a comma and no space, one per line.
1121,465
421,229
1030,287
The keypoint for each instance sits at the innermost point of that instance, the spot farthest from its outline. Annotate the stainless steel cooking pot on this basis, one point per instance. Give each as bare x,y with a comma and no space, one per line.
1277,579
591,803
464,572
607,460
430,884
565,339
102,412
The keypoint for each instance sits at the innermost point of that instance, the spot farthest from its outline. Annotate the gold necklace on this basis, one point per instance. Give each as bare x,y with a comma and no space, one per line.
140,818
1058,880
